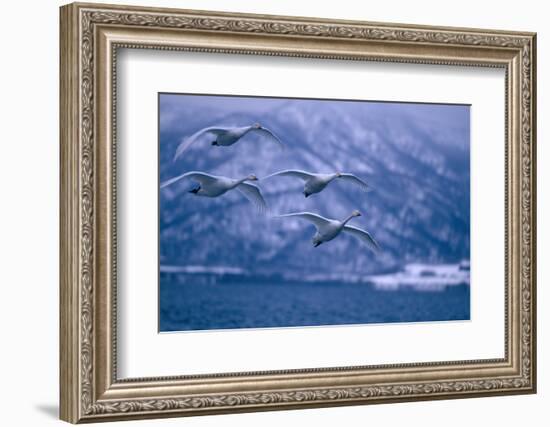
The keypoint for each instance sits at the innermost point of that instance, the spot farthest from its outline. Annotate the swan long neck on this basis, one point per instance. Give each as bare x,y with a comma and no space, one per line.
236,182
248,129
344,222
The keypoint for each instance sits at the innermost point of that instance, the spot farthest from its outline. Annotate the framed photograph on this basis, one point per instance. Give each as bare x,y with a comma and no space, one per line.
267,212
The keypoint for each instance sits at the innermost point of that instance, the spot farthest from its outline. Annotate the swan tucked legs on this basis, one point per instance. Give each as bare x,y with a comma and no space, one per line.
328,229
316,182
215,186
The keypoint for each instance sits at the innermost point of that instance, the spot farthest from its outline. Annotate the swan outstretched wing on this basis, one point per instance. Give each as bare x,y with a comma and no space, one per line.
354,180
292,172
201,177
266,133
184,145
253,194
364,236
317,220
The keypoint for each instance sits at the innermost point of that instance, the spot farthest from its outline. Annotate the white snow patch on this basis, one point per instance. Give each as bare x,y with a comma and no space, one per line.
424,277
197,269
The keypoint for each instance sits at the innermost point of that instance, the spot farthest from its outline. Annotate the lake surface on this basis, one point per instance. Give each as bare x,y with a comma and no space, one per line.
203,306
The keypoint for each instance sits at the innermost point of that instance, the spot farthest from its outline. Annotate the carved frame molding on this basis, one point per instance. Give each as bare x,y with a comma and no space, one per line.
90,37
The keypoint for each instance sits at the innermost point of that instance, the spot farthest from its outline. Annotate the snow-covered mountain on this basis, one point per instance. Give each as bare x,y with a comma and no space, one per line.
415,156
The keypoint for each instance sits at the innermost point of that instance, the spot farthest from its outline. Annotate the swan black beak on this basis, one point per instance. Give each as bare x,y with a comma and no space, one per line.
215,143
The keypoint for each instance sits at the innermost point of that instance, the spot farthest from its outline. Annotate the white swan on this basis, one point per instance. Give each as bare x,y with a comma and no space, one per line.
328,229
316,182
225,136
214,186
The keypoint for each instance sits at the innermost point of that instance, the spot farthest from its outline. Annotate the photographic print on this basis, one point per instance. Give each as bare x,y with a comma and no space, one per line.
291,212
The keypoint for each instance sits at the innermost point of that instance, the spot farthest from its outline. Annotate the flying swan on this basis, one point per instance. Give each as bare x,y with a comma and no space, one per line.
316,182
225,136
328,229
215,186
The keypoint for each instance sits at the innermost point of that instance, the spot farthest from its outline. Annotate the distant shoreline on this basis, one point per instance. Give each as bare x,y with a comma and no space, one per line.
415,276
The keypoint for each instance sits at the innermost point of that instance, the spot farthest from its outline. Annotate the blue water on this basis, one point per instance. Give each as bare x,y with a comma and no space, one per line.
203,306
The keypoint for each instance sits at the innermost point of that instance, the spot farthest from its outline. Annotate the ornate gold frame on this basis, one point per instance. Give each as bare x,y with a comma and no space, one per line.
90,36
